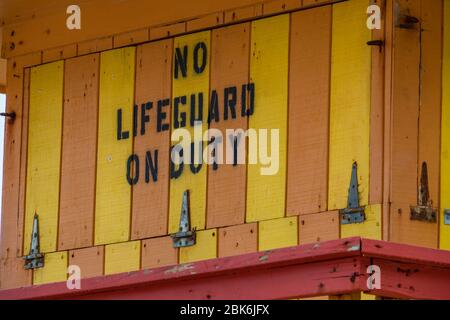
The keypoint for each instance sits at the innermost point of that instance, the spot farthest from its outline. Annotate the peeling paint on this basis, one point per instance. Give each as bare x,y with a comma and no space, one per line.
354,248
180,268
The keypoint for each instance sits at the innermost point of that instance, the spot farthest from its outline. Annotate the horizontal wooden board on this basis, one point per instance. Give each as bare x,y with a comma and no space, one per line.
122,257
278,233
237,240
44,154
204,249
54,270
319,227
158,252
90,260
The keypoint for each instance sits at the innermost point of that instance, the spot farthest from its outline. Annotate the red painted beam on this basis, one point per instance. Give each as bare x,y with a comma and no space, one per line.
331,268
304,271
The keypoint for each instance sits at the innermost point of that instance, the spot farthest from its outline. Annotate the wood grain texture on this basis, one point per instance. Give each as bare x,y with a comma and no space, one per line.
193,83
309,100
122,257
44,153
377,111
278,233
237,240
204,249
54,270
444,241
350,108
113,193
370,229
405,134
266,194
319,227
12,273
79,153
158,252
150,204
229,67
90,260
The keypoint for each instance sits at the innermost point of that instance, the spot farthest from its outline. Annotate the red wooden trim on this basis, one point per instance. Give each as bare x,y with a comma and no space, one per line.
330,268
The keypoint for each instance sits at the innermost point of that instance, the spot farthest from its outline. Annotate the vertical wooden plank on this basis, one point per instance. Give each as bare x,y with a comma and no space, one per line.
410,53
370,229
23,162
113,193
122,257
192,84
445,155
229,68
79,146
350,102
319,227
266,194
309,94
54,270
90,260
377,111
12,273
153,84
158,252
279,233
204,249
237,240
44,154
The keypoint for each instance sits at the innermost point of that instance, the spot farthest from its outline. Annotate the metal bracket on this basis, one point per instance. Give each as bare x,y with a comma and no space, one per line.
424,211
184,237
34,259
353,213
10,115
447,217
403,19
377,43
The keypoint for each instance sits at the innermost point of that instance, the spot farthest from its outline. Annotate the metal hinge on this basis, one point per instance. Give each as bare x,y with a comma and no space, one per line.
184,237
376,43
447,217
10,115
34,259
353,213
403,19
424,211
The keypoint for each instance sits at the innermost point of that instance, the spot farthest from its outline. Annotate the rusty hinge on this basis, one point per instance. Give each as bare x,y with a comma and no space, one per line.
353,213
424,210
447,217
403,19
10,115
34,259
185,237
376,43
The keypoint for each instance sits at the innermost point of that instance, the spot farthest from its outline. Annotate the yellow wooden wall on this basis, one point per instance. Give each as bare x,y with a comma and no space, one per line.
268,225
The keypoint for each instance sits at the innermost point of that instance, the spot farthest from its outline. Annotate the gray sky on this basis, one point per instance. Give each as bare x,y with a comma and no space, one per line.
2,131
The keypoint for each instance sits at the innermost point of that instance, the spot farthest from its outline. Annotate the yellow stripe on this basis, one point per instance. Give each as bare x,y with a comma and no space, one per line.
370,229
279,233
44,153
112,210
445,156
196,183
204,249
269,72
54,270
122,257
350,102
